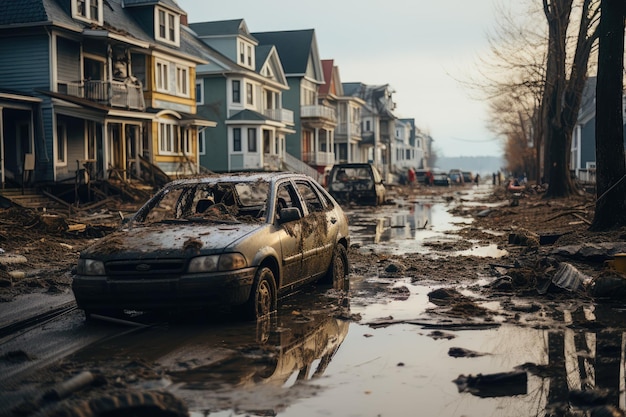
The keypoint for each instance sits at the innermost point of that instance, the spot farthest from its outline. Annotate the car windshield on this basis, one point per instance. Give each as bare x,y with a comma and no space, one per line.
218,202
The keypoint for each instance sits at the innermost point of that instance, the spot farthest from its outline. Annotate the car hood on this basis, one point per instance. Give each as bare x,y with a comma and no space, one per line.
171,240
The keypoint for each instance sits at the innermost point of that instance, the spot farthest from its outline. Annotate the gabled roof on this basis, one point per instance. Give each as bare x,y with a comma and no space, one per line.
332,84
32,11
233,27
267,56
297,50
248,115
117,20
168,3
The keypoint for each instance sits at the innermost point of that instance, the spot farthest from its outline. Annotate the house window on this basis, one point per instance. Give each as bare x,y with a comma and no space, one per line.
201,142
236,91
92,136
252,140
249,94
167,27
249,50
182,81
162,76
367,126
61,144
237,139
200,91
89,10
187,146
242,54
168,139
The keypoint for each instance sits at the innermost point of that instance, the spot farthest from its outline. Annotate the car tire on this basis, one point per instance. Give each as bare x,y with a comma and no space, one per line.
338,271
263,298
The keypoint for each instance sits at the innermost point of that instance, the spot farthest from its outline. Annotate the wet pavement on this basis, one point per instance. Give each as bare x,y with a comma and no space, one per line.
384,351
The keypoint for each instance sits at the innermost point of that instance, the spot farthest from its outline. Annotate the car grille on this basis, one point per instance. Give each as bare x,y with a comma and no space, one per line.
146,268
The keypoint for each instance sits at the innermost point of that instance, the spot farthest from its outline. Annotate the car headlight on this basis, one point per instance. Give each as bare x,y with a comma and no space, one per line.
212,263
90,267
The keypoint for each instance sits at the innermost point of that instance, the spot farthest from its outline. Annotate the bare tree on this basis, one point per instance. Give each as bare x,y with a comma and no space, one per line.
511,80
610,163
562,91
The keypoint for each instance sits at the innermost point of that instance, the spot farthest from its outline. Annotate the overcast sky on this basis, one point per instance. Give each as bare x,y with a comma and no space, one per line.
419,47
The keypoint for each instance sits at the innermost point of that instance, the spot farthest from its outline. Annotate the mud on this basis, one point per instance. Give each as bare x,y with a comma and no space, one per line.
501,328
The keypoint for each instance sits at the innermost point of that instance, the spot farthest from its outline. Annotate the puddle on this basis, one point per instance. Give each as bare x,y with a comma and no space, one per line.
413,228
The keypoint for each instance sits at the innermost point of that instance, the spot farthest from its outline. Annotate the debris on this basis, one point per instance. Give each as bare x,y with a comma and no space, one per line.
570,278
457,352
503,384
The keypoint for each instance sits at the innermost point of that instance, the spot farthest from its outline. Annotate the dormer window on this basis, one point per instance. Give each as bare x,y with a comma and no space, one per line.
246,55
87,10
167,26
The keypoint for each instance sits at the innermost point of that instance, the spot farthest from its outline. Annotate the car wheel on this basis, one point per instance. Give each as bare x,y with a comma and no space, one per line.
337,274
263,297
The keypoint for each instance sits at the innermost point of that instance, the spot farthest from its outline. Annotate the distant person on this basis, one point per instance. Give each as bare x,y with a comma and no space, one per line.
476,179
411,176
493,178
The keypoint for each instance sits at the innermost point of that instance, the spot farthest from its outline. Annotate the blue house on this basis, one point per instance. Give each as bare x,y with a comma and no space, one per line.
99,88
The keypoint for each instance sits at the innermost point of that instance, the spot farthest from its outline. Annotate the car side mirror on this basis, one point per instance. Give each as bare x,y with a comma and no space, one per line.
289,214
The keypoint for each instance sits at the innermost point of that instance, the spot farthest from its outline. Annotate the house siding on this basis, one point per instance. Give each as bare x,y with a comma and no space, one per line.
68,62
25,63
291,100
217,138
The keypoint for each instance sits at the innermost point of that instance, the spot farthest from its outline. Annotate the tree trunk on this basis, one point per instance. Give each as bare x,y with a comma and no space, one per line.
610,163
562,105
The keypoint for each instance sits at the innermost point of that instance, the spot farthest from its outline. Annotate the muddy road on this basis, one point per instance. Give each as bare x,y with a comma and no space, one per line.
439,321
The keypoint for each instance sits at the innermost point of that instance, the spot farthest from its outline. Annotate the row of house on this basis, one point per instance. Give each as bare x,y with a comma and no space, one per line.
100,89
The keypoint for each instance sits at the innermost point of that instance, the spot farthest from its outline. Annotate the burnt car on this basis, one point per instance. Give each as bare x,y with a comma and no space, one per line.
360,183
236,240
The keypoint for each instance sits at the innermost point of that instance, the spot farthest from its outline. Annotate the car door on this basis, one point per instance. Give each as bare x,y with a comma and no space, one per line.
290,234
318,231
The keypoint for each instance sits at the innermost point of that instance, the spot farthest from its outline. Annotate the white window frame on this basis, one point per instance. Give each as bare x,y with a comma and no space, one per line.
185,141
249,94
182,81
162,74
201,142
61,157
168,138
87,17
200,91
169,19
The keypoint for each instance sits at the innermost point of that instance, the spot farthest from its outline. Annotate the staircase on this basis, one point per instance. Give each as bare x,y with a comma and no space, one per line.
30,198
294,164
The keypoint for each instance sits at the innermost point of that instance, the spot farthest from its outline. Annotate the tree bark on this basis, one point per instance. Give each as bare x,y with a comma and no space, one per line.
610,162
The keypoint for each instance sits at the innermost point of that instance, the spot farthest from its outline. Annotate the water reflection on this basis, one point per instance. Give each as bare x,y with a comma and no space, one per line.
250,367
411,228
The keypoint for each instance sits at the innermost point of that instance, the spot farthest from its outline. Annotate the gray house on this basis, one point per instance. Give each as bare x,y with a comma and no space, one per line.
98,89
241,87
583,151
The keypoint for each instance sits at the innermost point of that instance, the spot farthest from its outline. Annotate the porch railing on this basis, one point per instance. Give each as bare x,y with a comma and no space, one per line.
112,93
317,111
281,115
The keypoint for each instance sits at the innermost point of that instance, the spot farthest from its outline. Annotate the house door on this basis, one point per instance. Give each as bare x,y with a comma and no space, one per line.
133,150
115,151
17,144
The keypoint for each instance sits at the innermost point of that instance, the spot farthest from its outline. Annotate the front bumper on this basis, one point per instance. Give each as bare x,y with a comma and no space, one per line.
145,293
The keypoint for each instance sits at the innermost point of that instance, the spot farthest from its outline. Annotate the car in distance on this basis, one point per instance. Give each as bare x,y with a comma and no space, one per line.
360,183
441,179
456,177
239,240
468,177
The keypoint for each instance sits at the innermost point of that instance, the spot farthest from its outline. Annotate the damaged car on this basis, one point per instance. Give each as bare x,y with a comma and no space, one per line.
360,183
235,240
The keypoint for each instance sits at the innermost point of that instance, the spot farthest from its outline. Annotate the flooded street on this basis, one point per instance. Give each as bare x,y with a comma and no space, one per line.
390,348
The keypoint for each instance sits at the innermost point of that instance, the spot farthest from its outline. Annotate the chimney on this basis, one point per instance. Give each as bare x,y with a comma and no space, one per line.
184,20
